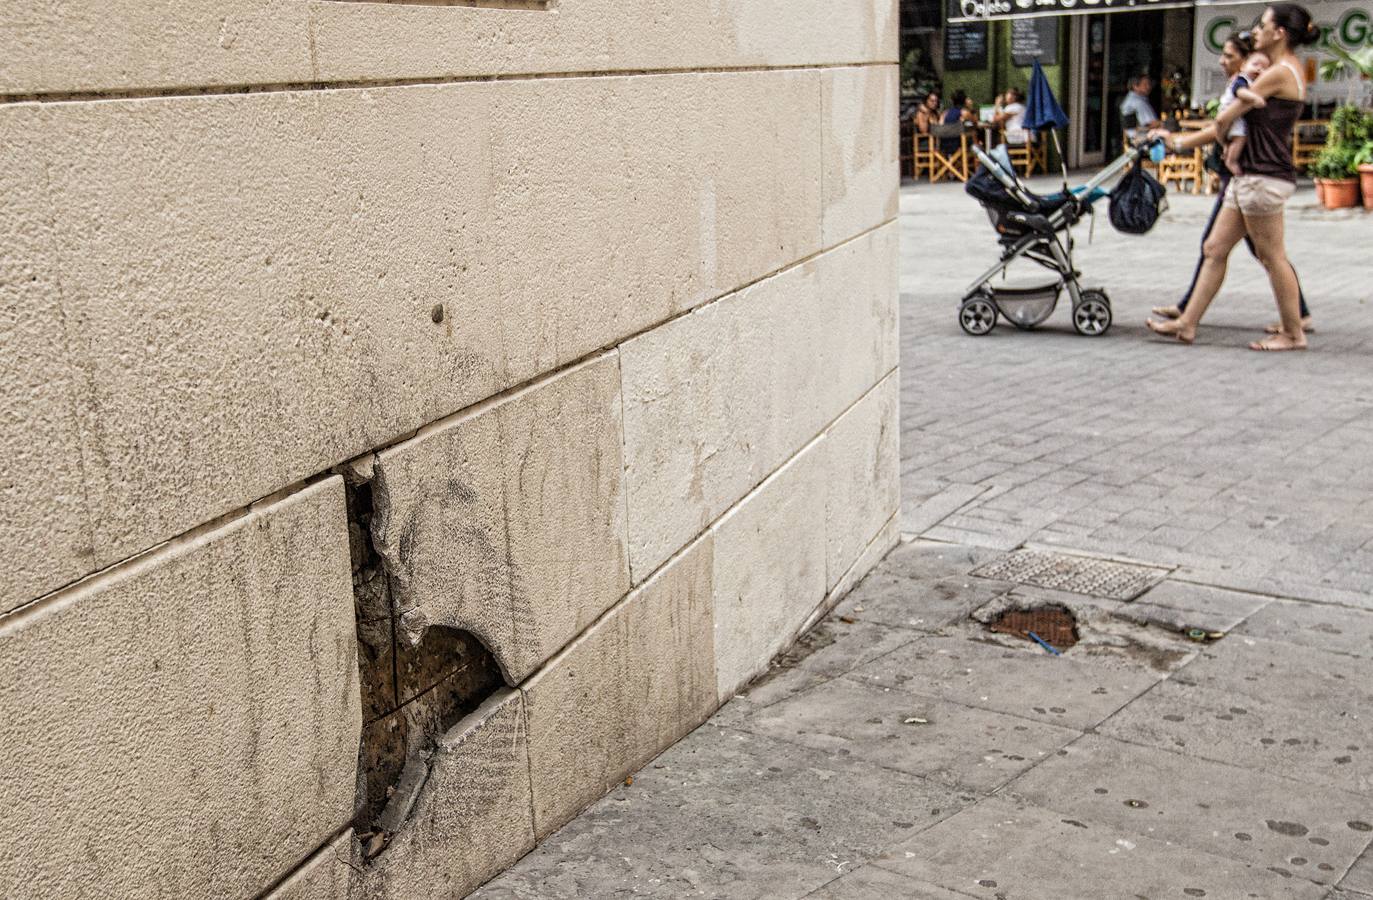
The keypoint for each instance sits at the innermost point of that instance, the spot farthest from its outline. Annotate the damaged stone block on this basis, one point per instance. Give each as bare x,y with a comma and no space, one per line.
327,875
630,686
469,817
769,569
187,724
509,522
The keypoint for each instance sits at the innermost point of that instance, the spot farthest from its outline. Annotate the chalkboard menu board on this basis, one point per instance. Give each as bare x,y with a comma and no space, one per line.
965,46
1033,39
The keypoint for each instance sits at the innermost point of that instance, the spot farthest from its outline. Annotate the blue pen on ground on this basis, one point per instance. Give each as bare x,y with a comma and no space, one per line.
1043,643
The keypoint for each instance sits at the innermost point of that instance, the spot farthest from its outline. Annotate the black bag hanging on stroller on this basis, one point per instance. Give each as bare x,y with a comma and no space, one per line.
1136,202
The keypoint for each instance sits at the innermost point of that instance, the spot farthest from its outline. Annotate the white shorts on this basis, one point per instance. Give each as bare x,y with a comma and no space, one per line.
1258,195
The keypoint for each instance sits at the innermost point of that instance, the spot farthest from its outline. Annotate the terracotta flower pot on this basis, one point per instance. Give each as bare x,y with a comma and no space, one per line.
1366,184
1320,191
1341,193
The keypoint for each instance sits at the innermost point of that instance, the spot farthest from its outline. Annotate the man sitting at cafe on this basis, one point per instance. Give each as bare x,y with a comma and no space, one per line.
1137,103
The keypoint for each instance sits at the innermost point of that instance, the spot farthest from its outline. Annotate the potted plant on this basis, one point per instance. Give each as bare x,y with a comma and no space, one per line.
1334,173
1363,164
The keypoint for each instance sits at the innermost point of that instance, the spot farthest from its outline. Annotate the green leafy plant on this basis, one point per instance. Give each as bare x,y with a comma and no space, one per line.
1349,126
1364,155
1359,62
1334,163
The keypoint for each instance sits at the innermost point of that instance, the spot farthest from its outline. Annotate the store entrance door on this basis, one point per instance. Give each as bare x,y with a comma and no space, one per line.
1089,45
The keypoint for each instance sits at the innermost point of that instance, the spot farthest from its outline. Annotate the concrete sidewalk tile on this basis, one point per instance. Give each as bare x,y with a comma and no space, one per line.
1313,743
923,605
918,518
872,883
946,742
1028,683
1274,671
1001,849
1360,876
1330,628
835,647
725,813
1253,817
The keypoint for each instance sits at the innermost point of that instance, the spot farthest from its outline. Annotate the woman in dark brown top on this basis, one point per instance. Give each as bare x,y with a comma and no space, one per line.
1254,201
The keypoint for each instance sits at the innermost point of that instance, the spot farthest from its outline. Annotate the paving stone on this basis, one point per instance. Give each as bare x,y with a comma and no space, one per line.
725,813
873,883
1000,849
1327,743
1027,683
1332,628
1256,818
947,742
926,604
1275,671
1360,876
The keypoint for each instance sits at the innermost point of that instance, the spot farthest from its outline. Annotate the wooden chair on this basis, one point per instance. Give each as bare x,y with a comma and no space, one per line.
1029,157
922,155
1183,167
954,163
1308,137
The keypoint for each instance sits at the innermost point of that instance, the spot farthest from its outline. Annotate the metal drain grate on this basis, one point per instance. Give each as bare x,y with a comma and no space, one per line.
1076,574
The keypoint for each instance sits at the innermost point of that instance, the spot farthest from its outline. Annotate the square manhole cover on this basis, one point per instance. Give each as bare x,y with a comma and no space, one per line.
1076,574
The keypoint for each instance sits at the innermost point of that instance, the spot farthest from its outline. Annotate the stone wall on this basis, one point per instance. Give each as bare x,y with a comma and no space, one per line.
416,416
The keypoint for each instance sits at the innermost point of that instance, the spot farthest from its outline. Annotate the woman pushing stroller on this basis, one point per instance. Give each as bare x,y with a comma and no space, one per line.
1251,205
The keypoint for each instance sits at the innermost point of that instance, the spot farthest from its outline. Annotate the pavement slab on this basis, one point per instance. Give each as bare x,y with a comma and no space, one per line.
1249,816
1360,875
1002,849
1024,682
732,814
873,883
945,742
1332,628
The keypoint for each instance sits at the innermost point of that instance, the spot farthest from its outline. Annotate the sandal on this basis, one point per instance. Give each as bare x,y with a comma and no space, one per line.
1277,343
1276,327
1166,312
1171,329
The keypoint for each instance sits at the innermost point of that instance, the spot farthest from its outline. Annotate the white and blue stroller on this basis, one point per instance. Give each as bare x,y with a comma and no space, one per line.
1038,228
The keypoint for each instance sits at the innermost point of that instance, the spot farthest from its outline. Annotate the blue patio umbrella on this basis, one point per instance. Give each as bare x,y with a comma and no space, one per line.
1041,106
1042,111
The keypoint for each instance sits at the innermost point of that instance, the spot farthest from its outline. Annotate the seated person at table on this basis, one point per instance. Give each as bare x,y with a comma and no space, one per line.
1238,89
1136,102
928,113
1010,115
962,110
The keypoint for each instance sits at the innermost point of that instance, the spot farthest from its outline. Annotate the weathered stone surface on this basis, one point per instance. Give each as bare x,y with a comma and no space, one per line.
945,742
324,876
635,682
509,522
42,481
873,883
861,160
1360,877
1052,689
863,487
1337,629
132,45
729,814
1001,848
1210,806
381,259
769,569
217,676
473,818
716,400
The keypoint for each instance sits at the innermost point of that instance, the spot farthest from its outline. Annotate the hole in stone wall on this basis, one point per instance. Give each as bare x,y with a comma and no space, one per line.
1054,624
411,694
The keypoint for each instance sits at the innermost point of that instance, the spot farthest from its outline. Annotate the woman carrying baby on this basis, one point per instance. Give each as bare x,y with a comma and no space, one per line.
1243,65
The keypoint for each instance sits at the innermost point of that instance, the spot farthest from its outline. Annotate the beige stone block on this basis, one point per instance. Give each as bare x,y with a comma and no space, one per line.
716,400
473,818
260,286
632,685
324,876
862,166
509,522
862,465
146,44
44,519
887,538
769,572
187,725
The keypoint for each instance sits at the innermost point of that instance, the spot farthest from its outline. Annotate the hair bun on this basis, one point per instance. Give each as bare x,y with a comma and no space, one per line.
1312,31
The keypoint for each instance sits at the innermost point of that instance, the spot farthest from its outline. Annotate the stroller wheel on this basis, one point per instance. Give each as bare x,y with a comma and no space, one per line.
977,315
1092,315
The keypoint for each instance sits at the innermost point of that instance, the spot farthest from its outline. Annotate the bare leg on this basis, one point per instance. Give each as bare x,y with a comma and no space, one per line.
1228,231
1268,234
